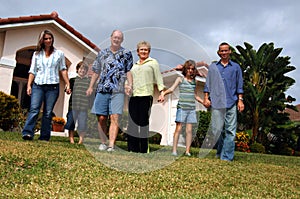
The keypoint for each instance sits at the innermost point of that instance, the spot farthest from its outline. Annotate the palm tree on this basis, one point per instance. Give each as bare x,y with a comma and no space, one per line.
265,84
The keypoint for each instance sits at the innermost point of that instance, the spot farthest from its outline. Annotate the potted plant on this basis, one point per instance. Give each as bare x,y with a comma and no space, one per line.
58,124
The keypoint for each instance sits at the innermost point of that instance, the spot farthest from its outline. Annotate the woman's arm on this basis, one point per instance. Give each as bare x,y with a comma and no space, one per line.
169,90
29,83
64,74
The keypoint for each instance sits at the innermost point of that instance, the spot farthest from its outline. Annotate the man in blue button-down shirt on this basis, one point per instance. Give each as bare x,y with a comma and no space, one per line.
223,92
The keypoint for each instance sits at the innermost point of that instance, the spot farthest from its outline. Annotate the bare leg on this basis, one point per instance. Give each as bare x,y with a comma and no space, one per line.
188,138
71,136
102,128
176,136
113,129
81,137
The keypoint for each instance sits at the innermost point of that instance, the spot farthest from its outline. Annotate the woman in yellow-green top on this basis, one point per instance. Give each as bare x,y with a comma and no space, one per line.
146,74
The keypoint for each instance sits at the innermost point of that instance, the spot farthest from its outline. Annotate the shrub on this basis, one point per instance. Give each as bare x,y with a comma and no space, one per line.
154,138
202,128
242,142
11,113
257,148
286,150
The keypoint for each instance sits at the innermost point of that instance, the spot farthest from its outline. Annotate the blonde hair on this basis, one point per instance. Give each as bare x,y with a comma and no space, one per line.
144,43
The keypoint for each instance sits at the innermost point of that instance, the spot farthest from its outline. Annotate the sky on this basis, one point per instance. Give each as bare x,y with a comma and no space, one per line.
181,28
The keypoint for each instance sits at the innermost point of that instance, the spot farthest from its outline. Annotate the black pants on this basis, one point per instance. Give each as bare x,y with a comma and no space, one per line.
138,126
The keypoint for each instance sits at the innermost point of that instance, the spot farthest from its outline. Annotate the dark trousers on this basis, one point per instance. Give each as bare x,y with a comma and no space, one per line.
138,125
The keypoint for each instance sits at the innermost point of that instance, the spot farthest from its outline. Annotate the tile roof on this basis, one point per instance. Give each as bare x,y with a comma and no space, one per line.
202,72
202,69
44,17
294,115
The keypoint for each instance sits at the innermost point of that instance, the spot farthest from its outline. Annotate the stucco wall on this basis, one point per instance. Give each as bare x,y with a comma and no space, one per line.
18,38
6,75
162,118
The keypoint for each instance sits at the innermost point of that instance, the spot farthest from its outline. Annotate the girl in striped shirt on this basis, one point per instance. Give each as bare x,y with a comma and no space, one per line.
186,106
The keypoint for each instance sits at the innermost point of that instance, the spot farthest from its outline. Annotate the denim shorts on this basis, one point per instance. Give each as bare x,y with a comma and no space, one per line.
80,117
108,103
186,116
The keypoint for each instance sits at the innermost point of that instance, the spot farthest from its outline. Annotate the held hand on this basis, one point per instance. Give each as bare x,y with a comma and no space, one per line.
161,98
128,90
206,103
68,90
89,91
240,105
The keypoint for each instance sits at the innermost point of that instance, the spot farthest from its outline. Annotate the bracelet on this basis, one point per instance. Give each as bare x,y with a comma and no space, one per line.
240,98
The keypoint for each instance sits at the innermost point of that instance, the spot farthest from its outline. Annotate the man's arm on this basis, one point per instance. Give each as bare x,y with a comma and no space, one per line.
90,89
128,86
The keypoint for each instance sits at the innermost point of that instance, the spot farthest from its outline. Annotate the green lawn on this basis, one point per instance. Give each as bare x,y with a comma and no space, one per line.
57,169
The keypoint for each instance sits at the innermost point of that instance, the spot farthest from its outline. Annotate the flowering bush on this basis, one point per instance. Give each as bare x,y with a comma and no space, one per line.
11,113
58,120
242,142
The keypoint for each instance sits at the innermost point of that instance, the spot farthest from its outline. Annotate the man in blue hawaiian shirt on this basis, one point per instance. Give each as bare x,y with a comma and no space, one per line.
112,67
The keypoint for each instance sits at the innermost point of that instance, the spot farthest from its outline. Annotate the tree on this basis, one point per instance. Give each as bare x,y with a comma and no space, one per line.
265,84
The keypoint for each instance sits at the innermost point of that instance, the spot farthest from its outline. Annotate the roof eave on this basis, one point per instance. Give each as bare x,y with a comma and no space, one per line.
50,21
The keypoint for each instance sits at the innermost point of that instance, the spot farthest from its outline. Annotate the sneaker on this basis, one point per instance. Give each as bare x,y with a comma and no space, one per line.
110,149
102,147
27,137
188,154
174,154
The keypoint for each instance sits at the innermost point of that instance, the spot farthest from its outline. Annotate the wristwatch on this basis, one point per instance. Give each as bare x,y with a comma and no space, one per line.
240,98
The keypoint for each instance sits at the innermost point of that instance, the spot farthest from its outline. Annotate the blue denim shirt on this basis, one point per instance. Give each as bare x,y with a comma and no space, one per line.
224,84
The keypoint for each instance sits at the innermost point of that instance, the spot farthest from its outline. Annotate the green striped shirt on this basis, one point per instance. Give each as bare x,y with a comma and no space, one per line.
79,100
187,94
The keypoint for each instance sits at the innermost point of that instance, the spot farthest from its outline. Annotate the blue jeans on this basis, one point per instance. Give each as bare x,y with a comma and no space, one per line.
41,93
224,124
74,116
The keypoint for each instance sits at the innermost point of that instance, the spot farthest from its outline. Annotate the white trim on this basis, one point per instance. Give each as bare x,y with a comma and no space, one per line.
169,133
201,79
75,38
35,23
24,24
171,73
8,63
202,67
72,74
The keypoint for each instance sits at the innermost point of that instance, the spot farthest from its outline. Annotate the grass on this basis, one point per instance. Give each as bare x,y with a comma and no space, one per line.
57,169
